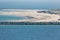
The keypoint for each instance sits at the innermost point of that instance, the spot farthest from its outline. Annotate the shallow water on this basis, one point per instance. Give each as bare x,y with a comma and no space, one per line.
29,32
9,17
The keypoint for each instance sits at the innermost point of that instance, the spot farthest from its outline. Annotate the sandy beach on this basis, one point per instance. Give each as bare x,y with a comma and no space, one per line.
33,15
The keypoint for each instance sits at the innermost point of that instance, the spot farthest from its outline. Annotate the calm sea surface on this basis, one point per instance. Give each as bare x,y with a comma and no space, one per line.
29,32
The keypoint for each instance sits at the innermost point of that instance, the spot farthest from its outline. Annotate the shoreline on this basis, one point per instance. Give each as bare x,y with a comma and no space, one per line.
29,23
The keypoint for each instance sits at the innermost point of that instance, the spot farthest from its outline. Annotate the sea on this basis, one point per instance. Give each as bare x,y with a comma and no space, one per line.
28,32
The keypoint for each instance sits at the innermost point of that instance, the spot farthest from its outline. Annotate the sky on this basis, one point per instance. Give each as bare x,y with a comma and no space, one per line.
30,3
30,0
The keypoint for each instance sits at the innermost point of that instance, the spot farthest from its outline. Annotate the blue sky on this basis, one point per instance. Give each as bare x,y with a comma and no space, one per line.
30,3
30,0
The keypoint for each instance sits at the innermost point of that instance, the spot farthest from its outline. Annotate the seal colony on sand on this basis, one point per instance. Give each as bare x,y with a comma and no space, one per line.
32,15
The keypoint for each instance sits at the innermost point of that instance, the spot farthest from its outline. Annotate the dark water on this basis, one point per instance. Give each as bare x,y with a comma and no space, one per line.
29,32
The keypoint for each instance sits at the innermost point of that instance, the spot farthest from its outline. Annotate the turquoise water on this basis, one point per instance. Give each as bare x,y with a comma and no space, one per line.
29,32
9,17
